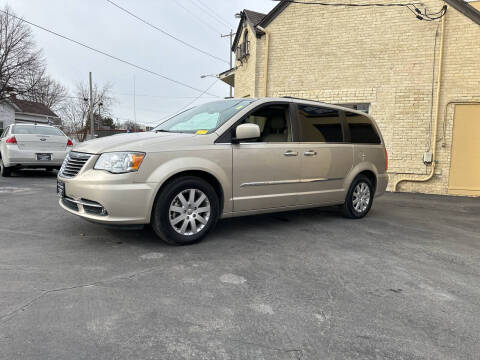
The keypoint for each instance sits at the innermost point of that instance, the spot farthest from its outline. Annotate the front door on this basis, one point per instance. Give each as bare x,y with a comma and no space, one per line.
266,172
325,158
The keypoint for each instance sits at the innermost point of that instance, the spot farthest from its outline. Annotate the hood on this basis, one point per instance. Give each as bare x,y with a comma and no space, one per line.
131,142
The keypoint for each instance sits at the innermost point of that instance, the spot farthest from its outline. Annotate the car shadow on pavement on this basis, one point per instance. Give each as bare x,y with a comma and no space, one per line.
226,229
34,173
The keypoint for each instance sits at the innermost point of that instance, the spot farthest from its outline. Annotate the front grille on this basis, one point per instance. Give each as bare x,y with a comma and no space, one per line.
73,163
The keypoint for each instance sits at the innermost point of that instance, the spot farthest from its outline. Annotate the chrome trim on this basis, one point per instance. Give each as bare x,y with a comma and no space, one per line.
274,182
73,164
319,179
84,202
282,182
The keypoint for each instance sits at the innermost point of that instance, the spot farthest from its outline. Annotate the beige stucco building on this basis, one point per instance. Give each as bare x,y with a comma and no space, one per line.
420,79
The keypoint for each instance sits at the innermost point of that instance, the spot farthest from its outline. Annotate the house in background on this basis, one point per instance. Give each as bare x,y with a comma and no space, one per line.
14,111
420,80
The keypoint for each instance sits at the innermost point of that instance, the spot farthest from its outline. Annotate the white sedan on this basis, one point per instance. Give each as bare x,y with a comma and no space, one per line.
32,146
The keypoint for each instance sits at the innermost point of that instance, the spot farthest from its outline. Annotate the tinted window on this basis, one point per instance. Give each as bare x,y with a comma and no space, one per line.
361,129
36,130
319,124
274,123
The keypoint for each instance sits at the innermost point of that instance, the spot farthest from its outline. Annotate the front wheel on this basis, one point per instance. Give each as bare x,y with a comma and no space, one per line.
359,198
4,171
185,211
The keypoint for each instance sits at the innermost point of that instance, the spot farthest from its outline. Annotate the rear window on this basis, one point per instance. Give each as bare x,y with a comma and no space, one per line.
319,124
35,130
361,129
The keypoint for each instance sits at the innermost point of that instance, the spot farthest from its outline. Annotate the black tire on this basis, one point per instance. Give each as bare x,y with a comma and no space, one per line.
161,213
349,207
4,171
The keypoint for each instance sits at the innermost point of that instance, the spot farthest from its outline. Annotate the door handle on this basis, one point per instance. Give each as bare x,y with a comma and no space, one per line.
290,153
310,153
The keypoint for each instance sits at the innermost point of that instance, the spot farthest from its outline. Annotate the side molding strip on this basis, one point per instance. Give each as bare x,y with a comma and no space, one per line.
283,182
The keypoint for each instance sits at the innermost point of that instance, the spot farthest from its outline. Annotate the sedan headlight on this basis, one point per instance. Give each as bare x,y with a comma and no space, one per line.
119,162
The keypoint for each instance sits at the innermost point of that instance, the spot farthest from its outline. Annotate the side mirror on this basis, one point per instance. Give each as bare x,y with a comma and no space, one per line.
246,132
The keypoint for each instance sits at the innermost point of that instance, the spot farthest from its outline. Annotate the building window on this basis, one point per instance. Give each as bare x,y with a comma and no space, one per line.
364,107
243,50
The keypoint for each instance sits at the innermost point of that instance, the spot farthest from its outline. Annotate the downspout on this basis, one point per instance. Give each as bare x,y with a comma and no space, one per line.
437,111
265,64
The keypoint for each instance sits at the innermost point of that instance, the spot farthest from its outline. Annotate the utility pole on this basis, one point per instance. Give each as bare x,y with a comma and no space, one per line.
92,124
230,52
134,107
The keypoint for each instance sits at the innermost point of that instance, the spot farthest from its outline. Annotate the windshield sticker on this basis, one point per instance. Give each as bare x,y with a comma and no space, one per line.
239,107
201,132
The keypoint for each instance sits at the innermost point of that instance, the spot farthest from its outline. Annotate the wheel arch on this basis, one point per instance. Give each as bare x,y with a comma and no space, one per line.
367,169
199,173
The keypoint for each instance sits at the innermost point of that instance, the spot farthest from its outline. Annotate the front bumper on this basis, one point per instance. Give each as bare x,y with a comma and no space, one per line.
124,201
16,157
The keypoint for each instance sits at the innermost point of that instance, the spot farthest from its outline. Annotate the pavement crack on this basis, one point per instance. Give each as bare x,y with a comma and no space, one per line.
129,276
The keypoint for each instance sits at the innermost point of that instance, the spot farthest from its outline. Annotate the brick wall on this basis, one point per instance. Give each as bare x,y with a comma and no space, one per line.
384,56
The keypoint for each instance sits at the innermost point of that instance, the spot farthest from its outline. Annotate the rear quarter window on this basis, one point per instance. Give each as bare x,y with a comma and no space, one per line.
319,124
36,130
361,129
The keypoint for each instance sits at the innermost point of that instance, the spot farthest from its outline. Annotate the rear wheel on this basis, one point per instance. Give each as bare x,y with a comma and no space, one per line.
359,198
185,211
4,171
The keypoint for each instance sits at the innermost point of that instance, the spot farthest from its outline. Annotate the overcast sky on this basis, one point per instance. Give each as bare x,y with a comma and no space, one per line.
103,26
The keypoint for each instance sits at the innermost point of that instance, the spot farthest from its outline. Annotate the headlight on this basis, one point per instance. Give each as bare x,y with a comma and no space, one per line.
119,162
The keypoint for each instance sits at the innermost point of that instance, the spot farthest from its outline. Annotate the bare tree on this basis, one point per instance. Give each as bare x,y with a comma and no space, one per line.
20,60
45,90
131,126
76,109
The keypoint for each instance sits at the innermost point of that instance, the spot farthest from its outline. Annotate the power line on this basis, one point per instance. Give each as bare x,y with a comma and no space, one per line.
417,12
107,54
209,14
165,33
160,96
213,12
196,17
191,102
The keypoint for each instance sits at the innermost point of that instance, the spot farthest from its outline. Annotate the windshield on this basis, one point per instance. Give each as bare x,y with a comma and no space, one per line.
35,130
204,119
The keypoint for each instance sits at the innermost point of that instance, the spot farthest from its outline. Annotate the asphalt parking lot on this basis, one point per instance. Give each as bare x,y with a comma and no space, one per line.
403,283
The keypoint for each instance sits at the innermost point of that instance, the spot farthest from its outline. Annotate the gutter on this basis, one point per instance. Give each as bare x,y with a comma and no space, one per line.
265,64
437,111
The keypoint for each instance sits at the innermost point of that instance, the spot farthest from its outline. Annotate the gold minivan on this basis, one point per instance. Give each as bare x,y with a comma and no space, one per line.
227,158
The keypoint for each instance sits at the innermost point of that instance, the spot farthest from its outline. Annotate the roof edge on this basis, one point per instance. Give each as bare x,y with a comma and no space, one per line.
466,9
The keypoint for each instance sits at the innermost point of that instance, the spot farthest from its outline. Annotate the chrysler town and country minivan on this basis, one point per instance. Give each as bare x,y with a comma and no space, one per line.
227,158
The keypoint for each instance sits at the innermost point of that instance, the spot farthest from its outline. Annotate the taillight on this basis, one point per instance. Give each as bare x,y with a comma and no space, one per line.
386,160
11,140
69,142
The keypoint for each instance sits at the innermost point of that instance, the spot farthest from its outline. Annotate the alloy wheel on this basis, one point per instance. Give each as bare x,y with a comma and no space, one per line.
189,212
361,197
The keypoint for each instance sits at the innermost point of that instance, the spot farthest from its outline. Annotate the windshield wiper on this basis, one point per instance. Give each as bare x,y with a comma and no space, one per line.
162,130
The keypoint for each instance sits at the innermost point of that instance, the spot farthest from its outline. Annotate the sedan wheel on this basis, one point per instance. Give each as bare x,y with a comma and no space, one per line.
4,171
